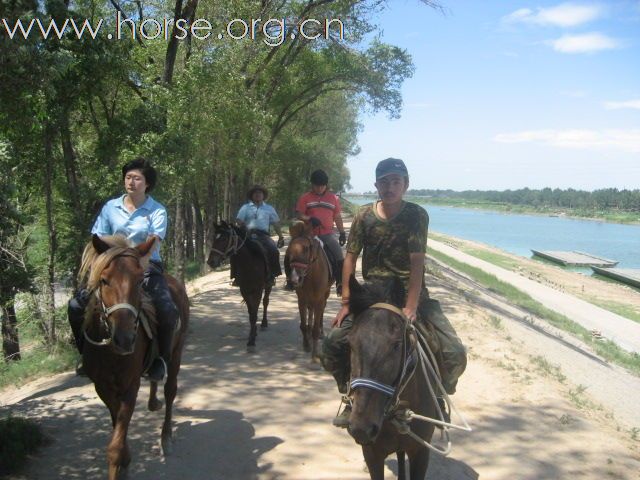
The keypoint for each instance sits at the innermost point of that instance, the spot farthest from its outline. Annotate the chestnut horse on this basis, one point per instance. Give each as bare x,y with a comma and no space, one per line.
116,345
387,379
312,279
251,273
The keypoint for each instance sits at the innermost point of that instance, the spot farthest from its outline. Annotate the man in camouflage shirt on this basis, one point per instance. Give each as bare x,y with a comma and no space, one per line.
392,236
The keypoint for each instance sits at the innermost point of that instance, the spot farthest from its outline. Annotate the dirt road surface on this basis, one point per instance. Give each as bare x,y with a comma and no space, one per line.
267,415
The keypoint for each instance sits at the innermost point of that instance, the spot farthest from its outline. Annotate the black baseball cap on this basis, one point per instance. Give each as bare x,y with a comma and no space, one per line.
389,166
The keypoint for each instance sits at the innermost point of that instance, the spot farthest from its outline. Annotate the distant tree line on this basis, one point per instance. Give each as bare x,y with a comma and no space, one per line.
603,199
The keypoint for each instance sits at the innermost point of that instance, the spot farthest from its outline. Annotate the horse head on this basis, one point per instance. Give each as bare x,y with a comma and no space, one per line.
301,253
116,274
379,345
225,243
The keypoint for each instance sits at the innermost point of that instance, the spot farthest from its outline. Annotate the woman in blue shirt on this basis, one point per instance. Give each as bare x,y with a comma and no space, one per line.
137,216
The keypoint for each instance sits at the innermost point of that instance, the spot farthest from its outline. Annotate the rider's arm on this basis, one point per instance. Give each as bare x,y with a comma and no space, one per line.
277,228
339,224
348,269
415,284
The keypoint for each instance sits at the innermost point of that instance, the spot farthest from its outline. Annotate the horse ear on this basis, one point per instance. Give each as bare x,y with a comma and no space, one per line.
99,245
146,248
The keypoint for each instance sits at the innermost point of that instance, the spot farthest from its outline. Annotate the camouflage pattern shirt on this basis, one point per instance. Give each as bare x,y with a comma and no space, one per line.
387,244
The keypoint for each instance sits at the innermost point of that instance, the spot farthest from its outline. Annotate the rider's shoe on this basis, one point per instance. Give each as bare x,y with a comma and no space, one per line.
339,290
80,371
157,371
342,420
234,283
289,286
271,282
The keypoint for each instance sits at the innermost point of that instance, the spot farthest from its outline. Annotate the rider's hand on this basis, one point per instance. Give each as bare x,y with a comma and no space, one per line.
315,222
342,238
344,311
410,313
280,243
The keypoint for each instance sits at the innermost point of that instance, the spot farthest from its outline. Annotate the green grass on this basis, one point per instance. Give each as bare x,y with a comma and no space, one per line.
605,348
19,437
38,359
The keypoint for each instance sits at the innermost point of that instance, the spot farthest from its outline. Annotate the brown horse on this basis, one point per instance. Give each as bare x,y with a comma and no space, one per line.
312,279
251,271
116,345
386,379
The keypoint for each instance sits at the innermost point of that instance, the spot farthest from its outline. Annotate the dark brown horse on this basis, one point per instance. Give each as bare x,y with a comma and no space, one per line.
117,340
251,270
386,379
312,279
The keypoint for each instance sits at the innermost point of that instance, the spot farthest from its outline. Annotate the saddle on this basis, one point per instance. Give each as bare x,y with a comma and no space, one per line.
332,262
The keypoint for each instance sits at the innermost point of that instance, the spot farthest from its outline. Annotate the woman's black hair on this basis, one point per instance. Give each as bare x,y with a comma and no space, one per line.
320,178
142,164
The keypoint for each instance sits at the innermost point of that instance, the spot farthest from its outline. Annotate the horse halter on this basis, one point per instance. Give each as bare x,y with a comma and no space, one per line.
406,372
106,311
304,266
232,246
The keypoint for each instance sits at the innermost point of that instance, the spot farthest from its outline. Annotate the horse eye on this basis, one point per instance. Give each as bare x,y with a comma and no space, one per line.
104,281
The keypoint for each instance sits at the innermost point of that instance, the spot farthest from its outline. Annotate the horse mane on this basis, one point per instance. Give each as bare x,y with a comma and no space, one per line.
299,229
366,294
93,263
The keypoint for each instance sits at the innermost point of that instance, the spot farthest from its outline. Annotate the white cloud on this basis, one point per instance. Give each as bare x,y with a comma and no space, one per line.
584,43
562,15
633,104
625,140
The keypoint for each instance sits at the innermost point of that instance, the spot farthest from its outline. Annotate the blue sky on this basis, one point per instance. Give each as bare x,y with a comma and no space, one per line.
512,94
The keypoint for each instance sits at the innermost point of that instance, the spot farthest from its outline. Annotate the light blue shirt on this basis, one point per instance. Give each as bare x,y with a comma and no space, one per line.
257,217
148,219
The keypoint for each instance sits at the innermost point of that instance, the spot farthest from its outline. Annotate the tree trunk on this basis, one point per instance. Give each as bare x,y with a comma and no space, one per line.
10,339
188,229
199,229
70,166
50,325
178,243
211,213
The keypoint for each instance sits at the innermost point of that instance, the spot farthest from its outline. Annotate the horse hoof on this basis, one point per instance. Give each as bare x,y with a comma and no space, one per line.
167,448
306,347
264,326
155,405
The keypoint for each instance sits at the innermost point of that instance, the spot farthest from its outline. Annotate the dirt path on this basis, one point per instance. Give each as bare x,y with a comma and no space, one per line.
268,415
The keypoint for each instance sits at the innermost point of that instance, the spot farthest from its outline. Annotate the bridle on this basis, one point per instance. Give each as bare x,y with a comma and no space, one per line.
409,364
106,311
303,266
234,244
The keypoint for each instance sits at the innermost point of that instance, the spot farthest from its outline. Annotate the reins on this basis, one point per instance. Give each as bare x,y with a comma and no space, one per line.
234,244
304,266
401,418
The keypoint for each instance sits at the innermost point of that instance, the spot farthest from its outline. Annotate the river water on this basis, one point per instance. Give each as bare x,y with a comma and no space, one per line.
518,233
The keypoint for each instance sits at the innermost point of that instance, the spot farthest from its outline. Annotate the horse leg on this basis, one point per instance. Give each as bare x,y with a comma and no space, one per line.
375,463
252,306
118,455
170,390
402,474
154,403
302,308
318,314
265,305
418,464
